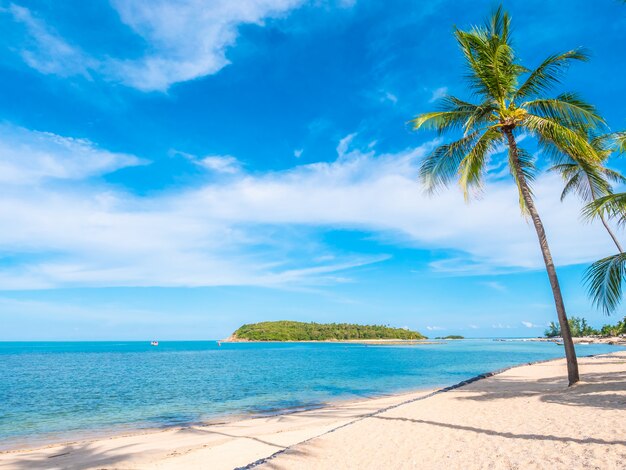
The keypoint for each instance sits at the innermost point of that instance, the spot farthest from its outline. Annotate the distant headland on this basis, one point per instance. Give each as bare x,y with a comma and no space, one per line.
301,331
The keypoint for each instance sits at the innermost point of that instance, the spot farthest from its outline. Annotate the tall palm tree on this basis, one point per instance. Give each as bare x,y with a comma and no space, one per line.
511,101
591,181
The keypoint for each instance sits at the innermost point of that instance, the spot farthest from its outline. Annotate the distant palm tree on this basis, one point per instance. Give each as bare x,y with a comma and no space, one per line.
506,109
590,180
605,277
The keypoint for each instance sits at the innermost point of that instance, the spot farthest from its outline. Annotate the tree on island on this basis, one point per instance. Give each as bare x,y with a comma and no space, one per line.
511,102
285,330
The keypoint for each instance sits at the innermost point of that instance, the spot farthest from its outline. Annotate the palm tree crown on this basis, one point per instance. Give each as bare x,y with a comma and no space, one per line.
510,99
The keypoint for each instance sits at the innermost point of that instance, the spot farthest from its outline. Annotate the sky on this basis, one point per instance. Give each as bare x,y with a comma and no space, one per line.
172,169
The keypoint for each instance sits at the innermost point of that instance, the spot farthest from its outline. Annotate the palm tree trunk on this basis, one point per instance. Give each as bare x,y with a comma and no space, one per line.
570,352
608,229
604,222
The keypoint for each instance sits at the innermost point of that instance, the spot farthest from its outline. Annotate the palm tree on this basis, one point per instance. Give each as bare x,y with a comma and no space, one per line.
590,180
605,277
511,101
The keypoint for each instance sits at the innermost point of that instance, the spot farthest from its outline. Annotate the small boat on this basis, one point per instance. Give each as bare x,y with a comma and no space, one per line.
219,343
154,343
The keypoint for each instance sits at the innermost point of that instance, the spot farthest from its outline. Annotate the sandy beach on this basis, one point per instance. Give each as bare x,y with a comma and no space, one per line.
523,418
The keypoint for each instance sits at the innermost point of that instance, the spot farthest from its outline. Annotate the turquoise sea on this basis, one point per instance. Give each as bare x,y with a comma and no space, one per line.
60,391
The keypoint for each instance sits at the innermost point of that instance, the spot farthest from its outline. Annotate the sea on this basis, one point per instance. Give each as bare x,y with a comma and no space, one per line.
63,391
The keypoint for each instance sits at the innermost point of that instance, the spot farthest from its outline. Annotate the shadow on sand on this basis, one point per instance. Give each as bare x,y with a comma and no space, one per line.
71,457
598,390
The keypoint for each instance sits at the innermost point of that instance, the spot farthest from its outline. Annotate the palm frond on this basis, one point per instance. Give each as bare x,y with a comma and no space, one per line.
548,74
568,109
442,164
453,113
620,140
604,280
588,181
574,180
614,176
472,167
611,205
492,71
555,135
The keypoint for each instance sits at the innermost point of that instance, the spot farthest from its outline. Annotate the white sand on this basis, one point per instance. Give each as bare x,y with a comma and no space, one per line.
524,418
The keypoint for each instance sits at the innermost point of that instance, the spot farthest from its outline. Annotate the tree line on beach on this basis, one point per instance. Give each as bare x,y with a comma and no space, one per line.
510,103
579,328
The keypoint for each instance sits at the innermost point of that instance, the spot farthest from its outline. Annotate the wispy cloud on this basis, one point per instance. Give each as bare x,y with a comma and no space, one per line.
221,164
495,285
438,93
184,40
434,328
27,156
254,229
528,324
47,51
389,97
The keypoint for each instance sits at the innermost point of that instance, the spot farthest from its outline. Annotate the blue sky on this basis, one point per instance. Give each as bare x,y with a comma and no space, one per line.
173,169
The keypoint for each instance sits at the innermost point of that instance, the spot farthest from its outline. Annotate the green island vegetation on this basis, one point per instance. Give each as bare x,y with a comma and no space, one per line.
301,331
450,337
579,327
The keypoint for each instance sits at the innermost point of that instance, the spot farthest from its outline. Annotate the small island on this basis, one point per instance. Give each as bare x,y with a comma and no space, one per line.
301,331
451,337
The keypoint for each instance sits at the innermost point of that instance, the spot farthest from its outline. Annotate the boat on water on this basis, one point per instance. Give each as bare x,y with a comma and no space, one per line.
154,343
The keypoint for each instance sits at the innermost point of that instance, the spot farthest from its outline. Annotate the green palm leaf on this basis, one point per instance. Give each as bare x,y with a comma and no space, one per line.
566,108
612,206
549,73
604,279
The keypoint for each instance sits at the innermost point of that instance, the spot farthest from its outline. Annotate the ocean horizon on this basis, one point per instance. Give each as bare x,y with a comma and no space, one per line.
58,391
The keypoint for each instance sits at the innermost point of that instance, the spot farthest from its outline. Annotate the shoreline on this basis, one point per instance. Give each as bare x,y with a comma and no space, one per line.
362,409
223,419
610,340
337,341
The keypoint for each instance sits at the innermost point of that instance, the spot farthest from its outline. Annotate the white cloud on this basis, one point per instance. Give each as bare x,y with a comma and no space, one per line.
528,324
434,328
438,94
500,326
48,52
495,285
27,156
388,96
185,39
298,153
255,229
344,145
221,164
